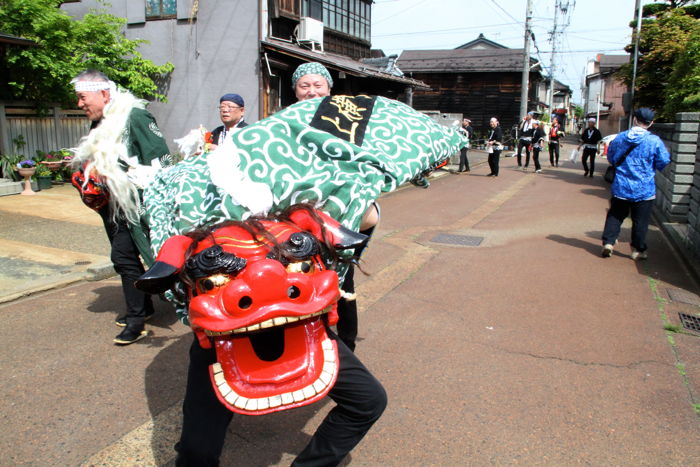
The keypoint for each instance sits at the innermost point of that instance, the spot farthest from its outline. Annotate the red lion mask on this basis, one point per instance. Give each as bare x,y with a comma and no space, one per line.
261,292
93,192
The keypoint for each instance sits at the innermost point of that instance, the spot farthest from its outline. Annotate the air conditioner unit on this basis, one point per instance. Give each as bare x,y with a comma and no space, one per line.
310,30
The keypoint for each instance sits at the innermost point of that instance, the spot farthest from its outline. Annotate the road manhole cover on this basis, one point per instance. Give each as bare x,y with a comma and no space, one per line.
459,240
683,296
690,322
81,263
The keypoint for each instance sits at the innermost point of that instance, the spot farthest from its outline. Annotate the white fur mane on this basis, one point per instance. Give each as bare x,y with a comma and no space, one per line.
102,149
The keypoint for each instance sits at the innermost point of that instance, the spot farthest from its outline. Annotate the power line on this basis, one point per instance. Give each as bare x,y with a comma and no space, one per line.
444,31
400,12
506,12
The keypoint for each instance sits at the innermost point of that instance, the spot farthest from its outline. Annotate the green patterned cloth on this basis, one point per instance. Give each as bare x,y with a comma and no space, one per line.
284,158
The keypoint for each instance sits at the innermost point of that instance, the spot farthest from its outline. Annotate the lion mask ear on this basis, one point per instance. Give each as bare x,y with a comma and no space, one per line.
166,269
340,237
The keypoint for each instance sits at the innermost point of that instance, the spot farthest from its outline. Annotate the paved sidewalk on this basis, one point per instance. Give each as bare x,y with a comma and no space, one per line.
49,240
524,348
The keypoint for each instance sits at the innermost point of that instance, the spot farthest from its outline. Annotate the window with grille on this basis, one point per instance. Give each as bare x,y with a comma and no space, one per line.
351,17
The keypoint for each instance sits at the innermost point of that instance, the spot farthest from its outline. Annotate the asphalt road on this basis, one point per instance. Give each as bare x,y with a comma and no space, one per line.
524,348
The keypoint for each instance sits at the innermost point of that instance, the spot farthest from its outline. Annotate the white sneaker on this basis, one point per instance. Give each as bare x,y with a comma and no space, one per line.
538,171
607,251
638,255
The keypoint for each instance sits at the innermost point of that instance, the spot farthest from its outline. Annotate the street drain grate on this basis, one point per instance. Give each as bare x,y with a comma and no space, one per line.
690,322
460,240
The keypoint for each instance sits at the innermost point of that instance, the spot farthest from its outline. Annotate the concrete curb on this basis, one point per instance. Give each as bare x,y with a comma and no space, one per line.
96,272
673,234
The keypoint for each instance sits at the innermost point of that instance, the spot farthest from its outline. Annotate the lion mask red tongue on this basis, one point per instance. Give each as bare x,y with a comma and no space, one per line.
303,373
262,293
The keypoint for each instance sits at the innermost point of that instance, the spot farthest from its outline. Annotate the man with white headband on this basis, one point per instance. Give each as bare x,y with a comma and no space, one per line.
115,162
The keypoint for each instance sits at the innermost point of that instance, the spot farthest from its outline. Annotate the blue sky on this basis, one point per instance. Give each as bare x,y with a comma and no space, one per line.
594,26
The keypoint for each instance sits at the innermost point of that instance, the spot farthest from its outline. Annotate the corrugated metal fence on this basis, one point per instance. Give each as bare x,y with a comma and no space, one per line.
58,129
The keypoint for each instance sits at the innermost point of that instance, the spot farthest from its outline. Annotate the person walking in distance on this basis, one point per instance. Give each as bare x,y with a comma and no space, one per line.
537,145
589,141
637,155
555,133
525,137
467,130
494,146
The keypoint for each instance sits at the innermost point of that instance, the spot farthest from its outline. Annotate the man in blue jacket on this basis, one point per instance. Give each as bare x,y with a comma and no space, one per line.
634,187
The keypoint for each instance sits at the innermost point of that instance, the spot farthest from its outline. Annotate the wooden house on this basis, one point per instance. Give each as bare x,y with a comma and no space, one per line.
480,79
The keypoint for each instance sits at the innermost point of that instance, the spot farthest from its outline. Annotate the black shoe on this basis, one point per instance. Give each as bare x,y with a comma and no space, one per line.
591,175
585,174
129,335
491,175
121,321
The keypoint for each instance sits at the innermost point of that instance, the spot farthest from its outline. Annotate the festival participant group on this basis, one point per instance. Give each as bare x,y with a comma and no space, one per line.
262,267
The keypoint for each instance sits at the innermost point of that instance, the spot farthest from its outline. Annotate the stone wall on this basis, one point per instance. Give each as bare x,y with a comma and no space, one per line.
678,185
693,236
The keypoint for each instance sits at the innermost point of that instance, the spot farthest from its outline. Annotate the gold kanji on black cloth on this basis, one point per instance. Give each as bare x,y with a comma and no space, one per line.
345,117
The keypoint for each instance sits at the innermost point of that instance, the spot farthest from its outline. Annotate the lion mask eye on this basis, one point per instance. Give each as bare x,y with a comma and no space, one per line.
209,283
304,267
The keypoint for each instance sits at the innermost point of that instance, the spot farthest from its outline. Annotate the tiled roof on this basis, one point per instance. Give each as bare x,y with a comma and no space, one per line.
614,62
463,60
481,43
338,62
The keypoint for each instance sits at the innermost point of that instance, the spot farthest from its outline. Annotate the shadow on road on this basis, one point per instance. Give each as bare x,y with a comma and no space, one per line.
263,440
111,300
591,248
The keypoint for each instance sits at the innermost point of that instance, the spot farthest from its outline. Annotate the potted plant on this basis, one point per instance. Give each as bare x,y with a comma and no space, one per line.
43,177
26,169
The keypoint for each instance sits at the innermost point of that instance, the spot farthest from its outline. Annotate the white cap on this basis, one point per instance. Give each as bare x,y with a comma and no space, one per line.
591,119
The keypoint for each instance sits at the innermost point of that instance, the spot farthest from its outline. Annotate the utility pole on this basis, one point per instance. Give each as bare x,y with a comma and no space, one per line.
550,100
524,83
638,29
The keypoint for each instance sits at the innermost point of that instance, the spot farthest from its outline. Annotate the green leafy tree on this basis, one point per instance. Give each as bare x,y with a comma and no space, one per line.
668,33
683,91
66,46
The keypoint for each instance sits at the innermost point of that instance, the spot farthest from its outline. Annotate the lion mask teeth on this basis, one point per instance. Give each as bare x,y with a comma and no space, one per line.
280,321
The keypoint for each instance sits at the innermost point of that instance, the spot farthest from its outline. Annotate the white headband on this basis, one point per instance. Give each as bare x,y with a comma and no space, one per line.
83,86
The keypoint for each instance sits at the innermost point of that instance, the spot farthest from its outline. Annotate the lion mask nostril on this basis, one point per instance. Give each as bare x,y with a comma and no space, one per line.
293,292
245,302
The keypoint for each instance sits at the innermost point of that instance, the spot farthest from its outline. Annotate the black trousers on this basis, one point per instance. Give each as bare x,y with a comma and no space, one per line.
588,153
535,158
523,144
463,160
347,312
127,263
360,397
347,309
554,152
618,212
494,159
